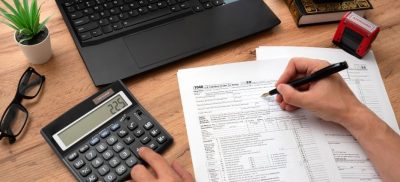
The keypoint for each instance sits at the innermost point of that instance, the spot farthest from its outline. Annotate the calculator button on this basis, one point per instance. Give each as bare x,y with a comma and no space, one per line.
161,139
72,156
123,118
101,147
152,145
154,132
138,132
104,170
108,154
84,148
135,148
114,161
125,154
97,162
122,132
129,139
145,139
79,163
132,125
148,125
104,133
114,126
91,178
110,177
120,169
131,161
111,140
118,147
91,155
85,171
94,141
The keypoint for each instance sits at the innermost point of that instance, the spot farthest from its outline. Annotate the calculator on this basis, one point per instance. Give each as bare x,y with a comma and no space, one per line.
99,139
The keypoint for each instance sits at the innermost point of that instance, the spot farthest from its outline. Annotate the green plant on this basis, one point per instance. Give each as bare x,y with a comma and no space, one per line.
23,17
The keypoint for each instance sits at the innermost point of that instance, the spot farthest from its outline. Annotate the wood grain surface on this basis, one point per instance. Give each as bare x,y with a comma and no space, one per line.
68,83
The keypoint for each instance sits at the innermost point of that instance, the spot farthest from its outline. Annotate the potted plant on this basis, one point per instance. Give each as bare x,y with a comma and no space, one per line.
32,36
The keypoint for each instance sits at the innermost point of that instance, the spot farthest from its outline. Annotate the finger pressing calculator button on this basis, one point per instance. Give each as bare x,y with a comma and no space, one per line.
131,161
91,178
120,169
91,155
129,139
145,139
84,148
72,156
135,148
154,132
114,127
85,171
104,170
110,177
138,132
101,147
125,154
132,125
97,162
118,147
114,161
79,163
148,125
108,154
111,140
94,141
122,132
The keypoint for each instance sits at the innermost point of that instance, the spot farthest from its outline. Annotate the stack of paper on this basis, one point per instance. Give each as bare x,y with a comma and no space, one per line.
235,135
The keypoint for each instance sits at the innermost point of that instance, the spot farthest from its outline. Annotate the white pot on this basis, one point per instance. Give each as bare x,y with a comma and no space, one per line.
37,53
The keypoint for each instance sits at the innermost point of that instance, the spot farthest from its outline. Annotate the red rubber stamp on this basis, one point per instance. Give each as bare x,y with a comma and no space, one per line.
355,34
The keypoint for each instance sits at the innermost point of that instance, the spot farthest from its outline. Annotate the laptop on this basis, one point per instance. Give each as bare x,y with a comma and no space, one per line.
121,38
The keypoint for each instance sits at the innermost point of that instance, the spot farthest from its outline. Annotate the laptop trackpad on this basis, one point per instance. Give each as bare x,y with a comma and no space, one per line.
159,44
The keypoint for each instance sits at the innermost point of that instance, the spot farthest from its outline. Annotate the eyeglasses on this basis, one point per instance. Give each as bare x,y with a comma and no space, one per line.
15,116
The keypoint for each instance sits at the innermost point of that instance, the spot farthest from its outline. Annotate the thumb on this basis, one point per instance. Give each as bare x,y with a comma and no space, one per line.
290,95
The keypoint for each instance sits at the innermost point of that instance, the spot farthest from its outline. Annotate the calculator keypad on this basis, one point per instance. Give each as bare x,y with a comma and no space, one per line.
110,154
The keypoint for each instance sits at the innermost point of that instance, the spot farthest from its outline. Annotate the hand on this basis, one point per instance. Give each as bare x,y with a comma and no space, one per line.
164,172
329,98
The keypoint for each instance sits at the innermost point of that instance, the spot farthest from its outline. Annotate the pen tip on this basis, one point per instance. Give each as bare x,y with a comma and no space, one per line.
265,94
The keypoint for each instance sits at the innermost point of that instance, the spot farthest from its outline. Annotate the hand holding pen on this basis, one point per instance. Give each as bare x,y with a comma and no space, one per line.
320,74
329,98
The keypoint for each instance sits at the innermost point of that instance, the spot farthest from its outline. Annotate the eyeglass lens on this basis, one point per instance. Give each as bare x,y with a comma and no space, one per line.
14,119
30,84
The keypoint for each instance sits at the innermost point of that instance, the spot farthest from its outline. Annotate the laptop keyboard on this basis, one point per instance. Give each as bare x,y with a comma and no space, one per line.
96,21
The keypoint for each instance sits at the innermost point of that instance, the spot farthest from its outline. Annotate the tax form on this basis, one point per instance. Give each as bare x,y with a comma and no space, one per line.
365,81
236,135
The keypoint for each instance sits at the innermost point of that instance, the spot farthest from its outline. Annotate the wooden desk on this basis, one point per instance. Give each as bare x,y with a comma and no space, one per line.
68,83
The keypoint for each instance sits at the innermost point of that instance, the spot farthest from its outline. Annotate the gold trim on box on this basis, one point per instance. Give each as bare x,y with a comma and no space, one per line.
312,8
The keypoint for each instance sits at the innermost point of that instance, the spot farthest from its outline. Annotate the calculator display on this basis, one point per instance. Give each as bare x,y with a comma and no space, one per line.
91,121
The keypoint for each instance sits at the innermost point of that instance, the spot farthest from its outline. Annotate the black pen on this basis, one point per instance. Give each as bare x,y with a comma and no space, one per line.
324,72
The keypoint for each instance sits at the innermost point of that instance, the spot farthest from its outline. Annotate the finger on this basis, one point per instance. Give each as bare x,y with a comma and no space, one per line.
282,105
290,108
279,98
291,96
157,162
186,176
140,173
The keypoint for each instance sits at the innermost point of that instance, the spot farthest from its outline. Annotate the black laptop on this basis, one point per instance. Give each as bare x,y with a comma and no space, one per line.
121,38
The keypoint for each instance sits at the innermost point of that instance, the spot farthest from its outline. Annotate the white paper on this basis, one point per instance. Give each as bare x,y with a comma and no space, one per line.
236,135
365,81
